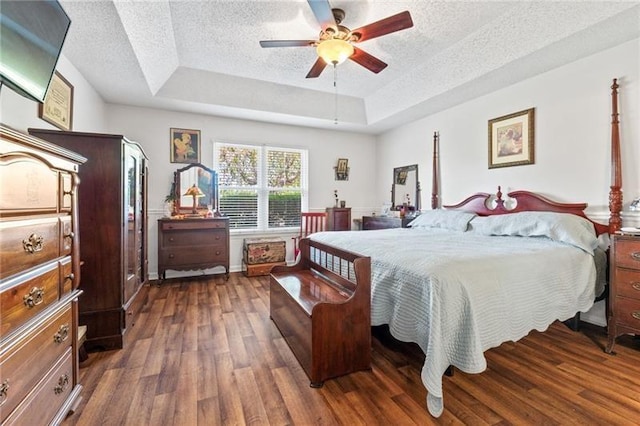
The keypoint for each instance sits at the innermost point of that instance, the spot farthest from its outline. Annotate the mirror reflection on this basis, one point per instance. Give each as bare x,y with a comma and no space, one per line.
405,190
204,179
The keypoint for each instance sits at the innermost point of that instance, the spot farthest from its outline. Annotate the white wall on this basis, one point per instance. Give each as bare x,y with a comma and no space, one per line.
572,135
150,128
21,113
572,139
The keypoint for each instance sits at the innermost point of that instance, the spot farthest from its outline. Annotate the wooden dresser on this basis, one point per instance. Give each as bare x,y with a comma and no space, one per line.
113,229
39,277
192,244
338,218
624,296
384,222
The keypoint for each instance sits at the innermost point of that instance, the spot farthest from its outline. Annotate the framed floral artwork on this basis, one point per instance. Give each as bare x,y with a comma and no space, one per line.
185,146
511,139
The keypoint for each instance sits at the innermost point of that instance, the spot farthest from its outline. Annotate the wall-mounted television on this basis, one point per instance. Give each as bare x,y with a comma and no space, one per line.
31,37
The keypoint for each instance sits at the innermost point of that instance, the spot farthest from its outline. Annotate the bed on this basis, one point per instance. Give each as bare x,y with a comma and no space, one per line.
469,277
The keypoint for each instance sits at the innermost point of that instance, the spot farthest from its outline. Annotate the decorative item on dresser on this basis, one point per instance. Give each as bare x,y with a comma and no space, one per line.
338,218
624,290
193,244
113,225
39,277
384,222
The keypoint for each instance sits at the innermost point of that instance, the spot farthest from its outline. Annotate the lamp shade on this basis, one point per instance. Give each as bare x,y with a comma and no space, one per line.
194,191
334,51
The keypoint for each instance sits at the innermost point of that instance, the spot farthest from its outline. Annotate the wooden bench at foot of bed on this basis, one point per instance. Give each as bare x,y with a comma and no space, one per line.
322,307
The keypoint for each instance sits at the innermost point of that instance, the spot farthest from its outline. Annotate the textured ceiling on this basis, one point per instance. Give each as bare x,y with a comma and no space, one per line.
204,56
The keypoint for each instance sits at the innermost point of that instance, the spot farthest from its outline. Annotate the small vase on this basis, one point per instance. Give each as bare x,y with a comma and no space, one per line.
168,209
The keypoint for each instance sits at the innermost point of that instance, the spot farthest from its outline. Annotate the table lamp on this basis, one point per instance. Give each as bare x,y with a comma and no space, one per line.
195,192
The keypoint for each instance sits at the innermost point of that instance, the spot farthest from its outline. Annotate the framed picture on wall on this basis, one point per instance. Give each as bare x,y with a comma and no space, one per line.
511,139
57,108
185,146
342,169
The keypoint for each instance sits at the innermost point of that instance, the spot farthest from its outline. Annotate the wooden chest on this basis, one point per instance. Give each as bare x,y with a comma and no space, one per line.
39,279
260,255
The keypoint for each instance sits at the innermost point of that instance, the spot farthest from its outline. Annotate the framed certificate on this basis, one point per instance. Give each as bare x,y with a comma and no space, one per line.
57,108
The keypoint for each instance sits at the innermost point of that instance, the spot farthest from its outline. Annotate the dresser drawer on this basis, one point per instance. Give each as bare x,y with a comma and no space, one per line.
25,362
35,188
23,298
66,276
198,224
66,232
627,253
194,237
627,282
628,312
26,244
193,255
47,398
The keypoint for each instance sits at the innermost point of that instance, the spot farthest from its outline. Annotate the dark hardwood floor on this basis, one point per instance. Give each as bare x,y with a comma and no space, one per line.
205,353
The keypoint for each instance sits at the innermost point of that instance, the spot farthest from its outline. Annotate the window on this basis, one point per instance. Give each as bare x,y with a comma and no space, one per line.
261,187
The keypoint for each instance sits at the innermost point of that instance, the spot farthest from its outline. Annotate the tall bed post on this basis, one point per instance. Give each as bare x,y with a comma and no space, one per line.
434,179
615,193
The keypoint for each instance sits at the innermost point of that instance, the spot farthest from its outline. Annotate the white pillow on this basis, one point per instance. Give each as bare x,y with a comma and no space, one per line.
455,220
561,227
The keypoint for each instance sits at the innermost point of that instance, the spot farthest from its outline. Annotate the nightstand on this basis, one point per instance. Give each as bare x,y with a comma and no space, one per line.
624,296
338,218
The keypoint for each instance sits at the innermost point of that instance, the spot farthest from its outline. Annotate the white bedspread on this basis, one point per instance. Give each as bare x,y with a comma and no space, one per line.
458,294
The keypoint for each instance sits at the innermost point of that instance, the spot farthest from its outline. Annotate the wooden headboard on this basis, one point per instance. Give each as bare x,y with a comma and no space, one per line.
529,201
525,201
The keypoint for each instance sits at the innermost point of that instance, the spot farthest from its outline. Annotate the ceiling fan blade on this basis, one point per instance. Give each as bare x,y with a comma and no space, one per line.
317,68
384,26
323,13
368,61
287,43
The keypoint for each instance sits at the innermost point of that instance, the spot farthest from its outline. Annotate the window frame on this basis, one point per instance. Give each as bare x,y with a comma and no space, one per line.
262,187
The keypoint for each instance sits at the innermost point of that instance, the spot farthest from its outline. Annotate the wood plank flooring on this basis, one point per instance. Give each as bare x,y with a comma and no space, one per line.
204,352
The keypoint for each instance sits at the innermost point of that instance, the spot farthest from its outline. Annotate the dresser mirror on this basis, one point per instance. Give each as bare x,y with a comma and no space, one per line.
405,190
202,177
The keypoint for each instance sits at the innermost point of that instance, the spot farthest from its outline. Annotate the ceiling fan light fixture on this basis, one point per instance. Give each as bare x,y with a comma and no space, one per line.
334,51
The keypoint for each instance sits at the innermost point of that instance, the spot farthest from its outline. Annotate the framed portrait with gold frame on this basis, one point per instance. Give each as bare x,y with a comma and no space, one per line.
511,139
57,108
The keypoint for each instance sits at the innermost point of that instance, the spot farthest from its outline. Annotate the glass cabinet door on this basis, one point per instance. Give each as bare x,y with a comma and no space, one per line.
133,220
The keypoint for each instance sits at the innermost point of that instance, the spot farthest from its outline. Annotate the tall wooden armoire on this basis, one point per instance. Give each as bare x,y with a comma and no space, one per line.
113,233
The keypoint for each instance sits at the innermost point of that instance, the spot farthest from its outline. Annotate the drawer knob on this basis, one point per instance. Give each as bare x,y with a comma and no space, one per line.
636,285
33,243
69,277
70,235
636,255
171,256
68,192
636,314
34,298
217,252
63,384
172,239
62,334
4,390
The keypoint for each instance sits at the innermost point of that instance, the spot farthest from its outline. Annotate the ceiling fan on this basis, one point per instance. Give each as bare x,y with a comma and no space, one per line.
335,43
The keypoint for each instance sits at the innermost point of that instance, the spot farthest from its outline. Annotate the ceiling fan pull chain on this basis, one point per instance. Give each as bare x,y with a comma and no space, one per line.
335,91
